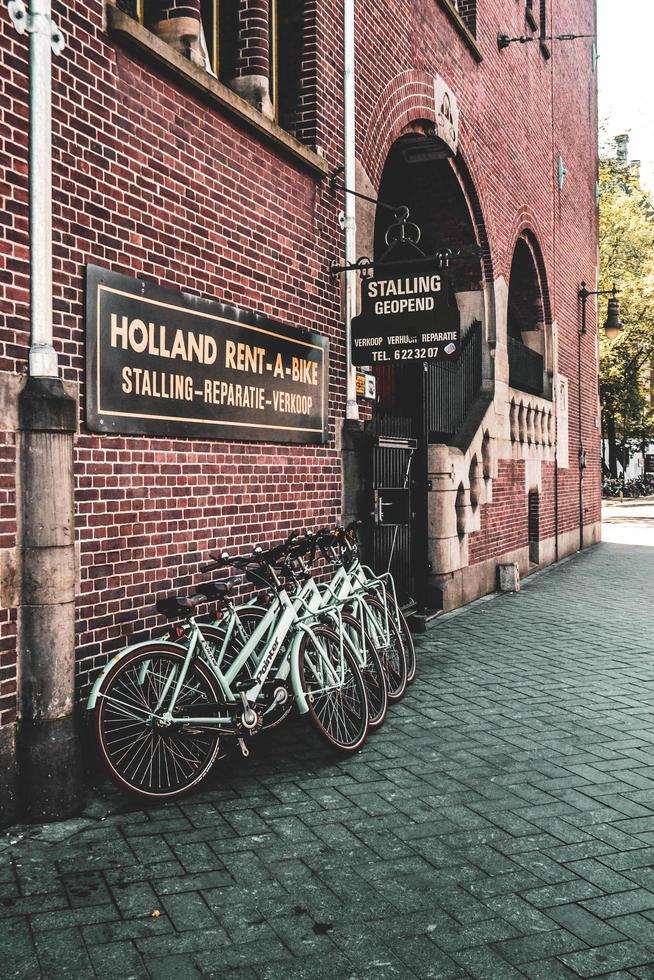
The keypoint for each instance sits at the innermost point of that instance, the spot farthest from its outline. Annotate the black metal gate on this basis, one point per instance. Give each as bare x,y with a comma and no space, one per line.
392,473
394,440
416,404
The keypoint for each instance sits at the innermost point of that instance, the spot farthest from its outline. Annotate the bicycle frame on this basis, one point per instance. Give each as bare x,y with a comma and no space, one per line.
282,618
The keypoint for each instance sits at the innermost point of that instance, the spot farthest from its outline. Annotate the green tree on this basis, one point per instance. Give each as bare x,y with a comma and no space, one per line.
626,227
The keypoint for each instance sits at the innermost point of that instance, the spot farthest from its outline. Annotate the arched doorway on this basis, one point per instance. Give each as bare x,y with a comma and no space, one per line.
424,402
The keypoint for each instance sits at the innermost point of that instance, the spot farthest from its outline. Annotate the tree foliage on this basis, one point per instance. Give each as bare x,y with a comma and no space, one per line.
626,219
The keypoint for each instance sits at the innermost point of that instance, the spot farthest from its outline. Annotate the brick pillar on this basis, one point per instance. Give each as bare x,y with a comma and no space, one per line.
178,23
252,68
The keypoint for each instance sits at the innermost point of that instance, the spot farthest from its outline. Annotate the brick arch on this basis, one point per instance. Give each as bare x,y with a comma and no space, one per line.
524,230
524,221
469,184
407,99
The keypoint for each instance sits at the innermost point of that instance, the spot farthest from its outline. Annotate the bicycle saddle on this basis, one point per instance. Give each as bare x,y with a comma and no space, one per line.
219,589
172,607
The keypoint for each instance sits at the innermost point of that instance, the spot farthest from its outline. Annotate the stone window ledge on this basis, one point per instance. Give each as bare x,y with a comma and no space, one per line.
459,24
123,27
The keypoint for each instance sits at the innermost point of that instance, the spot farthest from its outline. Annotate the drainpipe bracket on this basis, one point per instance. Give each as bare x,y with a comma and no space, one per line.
26,23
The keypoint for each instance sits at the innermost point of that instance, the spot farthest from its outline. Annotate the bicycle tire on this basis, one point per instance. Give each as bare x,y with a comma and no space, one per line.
392,654
341,714
409,646
179,760
372,671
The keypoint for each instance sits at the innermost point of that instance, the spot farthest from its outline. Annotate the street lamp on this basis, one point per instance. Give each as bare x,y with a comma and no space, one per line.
612,324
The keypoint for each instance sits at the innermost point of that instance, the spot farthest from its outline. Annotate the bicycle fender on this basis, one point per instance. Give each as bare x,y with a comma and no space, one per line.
296,682
95,690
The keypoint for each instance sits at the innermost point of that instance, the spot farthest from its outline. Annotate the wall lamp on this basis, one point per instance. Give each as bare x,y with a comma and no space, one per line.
503,40
612,324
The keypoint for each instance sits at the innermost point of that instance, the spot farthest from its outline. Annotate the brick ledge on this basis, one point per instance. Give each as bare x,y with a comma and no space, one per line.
123,27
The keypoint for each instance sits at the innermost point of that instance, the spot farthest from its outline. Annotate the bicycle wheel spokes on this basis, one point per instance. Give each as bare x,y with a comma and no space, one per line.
142,751
339,712
408,644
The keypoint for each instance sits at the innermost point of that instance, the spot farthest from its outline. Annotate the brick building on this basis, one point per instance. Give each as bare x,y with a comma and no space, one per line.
193,146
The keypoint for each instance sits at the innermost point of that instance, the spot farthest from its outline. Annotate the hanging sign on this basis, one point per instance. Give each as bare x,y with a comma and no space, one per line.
407,317
161,362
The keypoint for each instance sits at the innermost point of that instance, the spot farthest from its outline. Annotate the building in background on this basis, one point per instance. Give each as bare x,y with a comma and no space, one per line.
200,330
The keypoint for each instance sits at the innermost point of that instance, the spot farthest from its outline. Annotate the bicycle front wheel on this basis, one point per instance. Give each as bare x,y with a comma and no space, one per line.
371,667
334,688
149,759
408,644
390,646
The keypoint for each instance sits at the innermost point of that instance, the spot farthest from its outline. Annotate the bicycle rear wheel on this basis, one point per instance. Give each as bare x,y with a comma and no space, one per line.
339,711
151,760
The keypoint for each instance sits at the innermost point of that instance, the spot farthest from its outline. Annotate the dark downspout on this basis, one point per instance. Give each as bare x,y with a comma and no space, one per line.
582,454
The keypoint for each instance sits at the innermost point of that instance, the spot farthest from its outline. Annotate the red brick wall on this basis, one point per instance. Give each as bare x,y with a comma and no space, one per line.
504,522
148,180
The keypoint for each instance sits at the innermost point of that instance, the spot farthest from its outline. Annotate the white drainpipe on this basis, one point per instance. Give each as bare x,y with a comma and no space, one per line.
349,176
44,38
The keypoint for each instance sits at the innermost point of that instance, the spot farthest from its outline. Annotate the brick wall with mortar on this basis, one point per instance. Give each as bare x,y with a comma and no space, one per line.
150,181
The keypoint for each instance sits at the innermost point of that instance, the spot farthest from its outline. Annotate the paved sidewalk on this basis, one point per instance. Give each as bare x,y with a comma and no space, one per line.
501,823
629,521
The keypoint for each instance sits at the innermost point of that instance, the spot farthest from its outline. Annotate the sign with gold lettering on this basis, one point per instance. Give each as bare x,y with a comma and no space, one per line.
160,362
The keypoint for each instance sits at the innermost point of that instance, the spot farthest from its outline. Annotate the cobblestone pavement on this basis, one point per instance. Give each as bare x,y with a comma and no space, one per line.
500,824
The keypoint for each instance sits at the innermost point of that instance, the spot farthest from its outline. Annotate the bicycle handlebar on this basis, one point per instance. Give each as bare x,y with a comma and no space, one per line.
258,556
331,541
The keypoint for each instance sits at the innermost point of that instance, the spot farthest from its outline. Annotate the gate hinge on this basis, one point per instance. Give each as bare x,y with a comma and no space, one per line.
429,485
429,566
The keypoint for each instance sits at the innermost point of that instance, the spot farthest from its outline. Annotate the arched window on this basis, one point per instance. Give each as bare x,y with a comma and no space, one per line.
527,319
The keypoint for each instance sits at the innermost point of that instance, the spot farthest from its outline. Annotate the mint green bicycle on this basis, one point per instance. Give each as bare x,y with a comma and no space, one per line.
160,708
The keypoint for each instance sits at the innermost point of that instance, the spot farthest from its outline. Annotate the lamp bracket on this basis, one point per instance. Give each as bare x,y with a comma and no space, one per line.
504,40
584,293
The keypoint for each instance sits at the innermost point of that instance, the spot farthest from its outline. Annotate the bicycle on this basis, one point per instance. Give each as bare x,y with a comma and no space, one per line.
342,548
160,707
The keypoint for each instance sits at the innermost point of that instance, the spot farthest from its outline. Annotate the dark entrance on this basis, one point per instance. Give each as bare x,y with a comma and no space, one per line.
424,402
